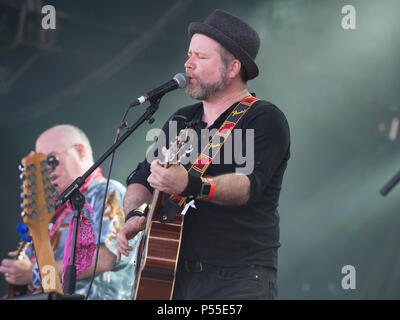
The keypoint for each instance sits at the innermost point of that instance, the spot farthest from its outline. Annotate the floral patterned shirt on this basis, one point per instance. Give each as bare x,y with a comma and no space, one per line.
115,284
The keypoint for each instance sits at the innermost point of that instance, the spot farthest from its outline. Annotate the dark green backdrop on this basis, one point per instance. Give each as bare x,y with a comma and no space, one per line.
338,88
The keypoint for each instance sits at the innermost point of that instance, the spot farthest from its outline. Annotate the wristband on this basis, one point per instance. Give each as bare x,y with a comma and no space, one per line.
138,212
212,188
198,187
193,187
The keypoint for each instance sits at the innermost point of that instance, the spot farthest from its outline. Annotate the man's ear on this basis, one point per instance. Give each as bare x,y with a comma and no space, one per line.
234,69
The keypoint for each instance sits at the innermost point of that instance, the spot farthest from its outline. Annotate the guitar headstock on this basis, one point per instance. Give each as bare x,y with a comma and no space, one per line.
181,148
37,191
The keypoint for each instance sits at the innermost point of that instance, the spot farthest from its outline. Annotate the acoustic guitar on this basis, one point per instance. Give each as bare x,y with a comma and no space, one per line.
158,251
18,290
38,209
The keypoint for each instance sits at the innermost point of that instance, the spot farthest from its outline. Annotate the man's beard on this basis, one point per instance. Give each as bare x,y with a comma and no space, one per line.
203,91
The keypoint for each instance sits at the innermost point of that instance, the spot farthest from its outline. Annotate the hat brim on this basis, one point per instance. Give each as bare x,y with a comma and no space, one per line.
239,53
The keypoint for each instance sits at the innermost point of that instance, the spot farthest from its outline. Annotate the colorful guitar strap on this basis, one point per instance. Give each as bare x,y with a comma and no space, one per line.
175,203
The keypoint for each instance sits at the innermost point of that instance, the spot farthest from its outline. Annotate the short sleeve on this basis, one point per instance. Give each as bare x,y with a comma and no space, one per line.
113,218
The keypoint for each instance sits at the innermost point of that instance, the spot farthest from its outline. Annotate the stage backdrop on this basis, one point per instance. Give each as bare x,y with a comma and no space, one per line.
333,70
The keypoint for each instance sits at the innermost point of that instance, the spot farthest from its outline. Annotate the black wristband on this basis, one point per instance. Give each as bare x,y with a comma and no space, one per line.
135,213
193,187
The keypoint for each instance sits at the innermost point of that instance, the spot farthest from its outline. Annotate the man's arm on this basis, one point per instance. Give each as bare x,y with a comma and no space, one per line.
271,145
231,189
136,194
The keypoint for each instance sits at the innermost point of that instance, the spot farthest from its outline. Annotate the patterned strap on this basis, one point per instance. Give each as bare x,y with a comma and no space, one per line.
217,141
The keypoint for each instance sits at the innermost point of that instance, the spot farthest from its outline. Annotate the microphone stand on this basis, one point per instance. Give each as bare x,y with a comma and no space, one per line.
389,185
77,199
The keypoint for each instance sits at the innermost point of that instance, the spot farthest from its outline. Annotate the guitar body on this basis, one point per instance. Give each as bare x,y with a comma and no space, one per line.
158,251
158,254
18,290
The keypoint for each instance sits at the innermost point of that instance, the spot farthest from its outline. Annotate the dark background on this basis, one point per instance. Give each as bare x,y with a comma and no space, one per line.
338,88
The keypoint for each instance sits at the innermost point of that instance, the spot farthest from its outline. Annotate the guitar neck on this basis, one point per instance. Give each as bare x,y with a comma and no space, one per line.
156,199
38,207
46,262
155,204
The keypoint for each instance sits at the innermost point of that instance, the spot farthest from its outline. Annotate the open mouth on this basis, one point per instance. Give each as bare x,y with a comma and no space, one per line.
191,80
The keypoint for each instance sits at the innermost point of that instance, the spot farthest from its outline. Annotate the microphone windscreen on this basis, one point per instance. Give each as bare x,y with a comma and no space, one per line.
182,80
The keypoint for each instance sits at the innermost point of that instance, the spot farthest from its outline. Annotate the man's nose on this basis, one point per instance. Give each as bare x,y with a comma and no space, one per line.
189,63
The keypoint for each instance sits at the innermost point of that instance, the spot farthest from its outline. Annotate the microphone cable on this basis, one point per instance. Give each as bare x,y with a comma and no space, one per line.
123,125
181,80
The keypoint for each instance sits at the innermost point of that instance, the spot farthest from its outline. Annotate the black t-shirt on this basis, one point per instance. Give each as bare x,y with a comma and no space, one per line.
237,235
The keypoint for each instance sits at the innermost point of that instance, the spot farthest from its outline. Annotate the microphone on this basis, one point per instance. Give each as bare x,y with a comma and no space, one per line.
179,81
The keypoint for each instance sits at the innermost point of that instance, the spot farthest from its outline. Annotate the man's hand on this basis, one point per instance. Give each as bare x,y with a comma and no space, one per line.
172,180
17,272
131,228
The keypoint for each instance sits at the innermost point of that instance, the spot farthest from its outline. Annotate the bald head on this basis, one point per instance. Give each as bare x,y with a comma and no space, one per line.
66,135
71,147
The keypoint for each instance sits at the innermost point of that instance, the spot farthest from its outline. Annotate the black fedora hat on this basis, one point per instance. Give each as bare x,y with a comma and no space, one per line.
233,34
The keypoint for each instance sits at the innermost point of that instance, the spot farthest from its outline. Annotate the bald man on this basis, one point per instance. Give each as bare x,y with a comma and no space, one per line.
72,155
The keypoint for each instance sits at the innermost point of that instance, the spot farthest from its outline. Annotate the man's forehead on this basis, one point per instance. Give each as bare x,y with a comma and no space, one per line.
202,43
49,141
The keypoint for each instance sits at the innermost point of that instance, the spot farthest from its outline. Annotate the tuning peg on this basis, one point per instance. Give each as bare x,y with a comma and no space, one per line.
189,150
32,214
31,195
23,168
51,207
49,190
43,164
31,185
24,176
28,205
50,187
